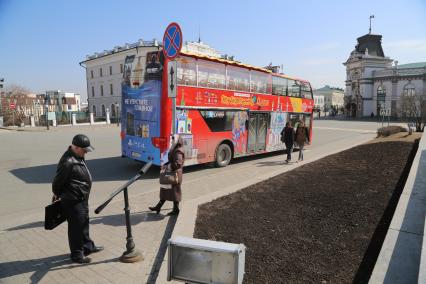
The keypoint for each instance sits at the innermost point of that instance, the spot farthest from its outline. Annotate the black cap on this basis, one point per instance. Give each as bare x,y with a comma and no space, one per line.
82,141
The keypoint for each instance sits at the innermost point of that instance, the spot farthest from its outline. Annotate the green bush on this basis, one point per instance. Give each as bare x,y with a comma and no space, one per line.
389,130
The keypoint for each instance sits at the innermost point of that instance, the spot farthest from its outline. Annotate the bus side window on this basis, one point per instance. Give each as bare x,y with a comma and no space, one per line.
293,88
259,82
211,74
306,90
279,86
186,71
238,79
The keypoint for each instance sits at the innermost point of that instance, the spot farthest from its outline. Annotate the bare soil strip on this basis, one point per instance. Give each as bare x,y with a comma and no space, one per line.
322,222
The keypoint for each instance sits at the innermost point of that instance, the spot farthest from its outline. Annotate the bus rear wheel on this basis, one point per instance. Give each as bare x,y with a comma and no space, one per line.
223,155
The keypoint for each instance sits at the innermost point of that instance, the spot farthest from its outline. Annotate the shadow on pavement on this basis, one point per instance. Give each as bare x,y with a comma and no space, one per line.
105,169
40,266
159,258
271,163
115,169
27,226
110,220
120,220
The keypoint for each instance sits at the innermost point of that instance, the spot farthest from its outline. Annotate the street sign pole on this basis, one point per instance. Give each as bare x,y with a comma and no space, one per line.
388,113
172,44
171,71
383,118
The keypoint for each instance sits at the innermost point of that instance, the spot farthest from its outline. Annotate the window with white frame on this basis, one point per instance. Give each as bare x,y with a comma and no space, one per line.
409,90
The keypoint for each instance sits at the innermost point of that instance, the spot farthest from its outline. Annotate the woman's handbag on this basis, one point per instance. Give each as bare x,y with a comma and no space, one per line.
53,215
169,177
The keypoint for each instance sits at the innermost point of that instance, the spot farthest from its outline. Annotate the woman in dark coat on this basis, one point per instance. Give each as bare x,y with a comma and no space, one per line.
167,191
302,136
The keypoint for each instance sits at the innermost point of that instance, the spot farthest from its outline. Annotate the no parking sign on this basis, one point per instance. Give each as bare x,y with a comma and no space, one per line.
172,41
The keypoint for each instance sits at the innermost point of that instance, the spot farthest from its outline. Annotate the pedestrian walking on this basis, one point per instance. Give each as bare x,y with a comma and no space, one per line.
302,136
172,192
72,185
287,136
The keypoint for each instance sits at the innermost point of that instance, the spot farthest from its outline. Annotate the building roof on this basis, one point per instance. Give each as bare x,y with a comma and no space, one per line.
70,101
328,88
371,42
117,49
412,65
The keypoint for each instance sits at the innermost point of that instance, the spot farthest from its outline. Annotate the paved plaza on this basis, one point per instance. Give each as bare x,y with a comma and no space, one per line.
28,160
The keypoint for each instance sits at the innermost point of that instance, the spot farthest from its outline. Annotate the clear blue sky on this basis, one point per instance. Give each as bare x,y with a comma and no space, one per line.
42,42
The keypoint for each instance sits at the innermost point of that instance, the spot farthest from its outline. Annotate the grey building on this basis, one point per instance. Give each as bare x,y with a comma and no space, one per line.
374,84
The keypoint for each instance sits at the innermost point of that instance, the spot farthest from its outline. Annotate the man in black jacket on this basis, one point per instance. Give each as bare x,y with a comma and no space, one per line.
72,185
287,136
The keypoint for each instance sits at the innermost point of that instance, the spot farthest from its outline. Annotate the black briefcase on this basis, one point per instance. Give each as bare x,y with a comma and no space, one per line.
53,215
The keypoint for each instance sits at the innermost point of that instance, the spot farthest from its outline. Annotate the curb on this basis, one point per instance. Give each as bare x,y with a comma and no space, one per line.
185,224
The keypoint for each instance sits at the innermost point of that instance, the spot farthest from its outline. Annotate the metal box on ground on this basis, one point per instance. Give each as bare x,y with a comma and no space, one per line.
202,261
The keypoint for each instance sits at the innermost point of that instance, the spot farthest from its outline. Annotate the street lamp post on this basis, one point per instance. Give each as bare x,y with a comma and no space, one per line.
46,102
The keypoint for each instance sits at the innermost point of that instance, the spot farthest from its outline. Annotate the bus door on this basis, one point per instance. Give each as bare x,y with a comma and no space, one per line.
258,125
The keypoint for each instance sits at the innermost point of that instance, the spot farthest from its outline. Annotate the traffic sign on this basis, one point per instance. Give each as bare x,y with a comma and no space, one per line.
172,41
172,79
12,106
385,111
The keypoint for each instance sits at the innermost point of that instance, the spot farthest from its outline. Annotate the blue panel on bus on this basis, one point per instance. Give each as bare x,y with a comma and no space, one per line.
141,121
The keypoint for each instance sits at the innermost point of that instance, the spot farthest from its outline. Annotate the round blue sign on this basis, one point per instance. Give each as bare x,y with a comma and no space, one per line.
172,41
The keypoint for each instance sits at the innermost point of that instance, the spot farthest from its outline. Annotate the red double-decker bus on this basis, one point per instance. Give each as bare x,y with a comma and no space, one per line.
223,110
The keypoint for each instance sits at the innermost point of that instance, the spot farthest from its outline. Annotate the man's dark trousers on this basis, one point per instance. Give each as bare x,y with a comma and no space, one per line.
289,150
77,214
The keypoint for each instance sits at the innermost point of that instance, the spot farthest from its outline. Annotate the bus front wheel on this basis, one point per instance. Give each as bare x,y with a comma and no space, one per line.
223,155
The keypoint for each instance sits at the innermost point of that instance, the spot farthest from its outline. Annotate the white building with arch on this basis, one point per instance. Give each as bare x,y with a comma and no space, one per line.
373,83
104,74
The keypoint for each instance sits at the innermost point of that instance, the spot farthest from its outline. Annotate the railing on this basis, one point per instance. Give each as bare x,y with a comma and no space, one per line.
131,254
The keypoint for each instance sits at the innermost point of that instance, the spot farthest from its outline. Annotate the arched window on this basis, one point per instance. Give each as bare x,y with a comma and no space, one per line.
112,110
103,111
381,98
409,90
94,110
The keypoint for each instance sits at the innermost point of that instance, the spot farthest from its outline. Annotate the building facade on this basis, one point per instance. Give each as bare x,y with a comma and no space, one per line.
63,101
319,102
374,85
333,97
104,72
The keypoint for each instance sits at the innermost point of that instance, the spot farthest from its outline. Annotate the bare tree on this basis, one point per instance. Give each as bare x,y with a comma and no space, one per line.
14,89
12,94
413,107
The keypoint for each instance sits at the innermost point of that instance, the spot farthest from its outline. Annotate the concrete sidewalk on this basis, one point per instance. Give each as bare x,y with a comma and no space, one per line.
402,258
28,253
